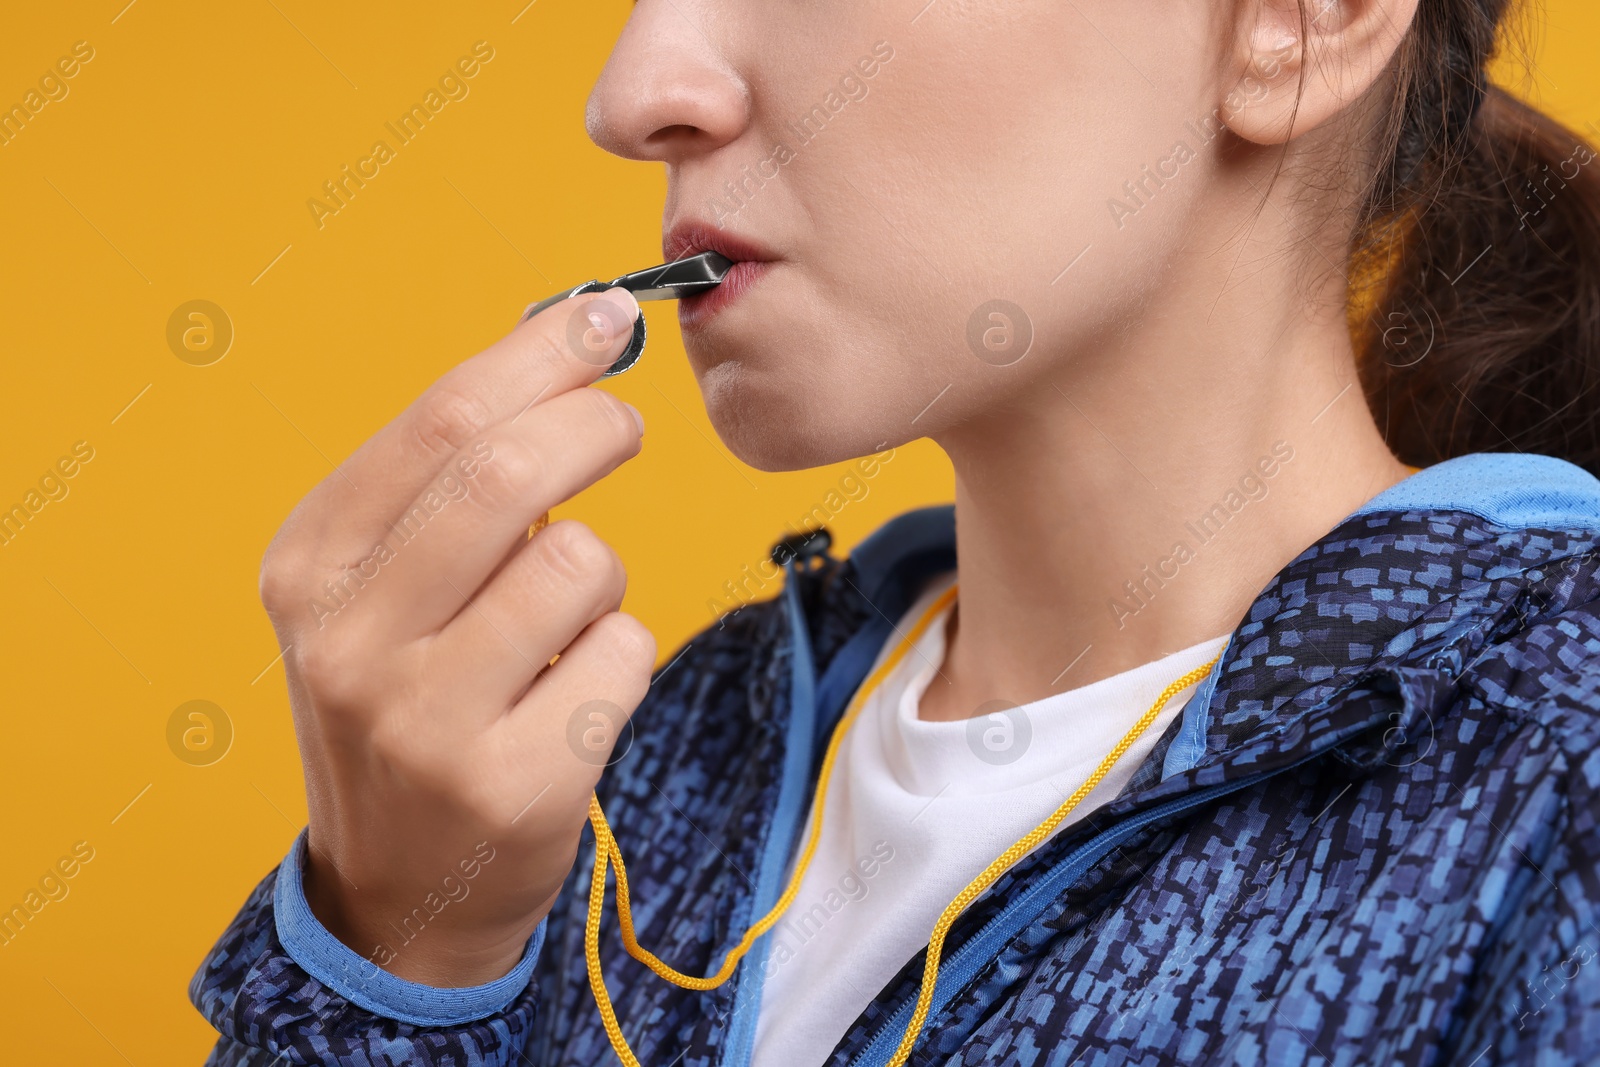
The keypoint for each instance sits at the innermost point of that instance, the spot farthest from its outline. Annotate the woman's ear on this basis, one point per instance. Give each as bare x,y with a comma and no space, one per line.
1306,61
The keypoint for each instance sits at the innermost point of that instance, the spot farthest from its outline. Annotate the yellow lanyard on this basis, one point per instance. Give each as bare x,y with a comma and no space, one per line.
606,852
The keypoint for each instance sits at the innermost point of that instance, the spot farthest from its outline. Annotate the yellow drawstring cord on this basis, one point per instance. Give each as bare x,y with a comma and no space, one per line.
1024,845
607,853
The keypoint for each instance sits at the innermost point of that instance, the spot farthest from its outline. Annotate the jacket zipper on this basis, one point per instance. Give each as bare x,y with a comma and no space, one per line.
963,966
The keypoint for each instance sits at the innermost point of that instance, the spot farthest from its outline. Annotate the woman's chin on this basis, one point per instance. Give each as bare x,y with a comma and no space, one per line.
770,425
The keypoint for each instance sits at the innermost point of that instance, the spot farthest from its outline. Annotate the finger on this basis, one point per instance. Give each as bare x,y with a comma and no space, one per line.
580,707
553,587
447,542
563,348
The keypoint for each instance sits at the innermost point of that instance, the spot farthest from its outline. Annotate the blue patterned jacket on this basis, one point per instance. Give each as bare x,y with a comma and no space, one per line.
1371,837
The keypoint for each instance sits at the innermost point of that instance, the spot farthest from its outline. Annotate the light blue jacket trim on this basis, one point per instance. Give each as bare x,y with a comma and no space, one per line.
793,801
1190,743
365,984
1517,490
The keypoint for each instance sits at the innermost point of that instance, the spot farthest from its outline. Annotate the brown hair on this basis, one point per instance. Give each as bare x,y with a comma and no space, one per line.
1482,226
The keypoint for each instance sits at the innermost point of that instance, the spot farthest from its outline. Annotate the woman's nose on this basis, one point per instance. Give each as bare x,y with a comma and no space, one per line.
667,93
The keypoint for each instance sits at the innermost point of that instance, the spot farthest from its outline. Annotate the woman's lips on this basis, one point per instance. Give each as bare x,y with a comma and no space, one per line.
695,311
750,262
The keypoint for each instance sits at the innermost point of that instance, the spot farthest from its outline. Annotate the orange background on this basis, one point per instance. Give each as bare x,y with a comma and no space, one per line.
177,168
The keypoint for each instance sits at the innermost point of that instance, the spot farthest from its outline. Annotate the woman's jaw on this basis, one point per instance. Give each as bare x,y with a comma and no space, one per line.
890,180
933,222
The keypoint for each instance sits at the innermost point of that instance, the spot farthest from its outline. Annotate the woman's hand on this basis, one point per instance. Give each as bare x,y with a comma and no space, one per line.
418,623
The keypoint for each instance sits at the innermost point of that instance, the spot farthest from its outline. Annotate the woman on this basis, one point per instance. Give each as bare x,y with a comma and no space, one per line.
1261,727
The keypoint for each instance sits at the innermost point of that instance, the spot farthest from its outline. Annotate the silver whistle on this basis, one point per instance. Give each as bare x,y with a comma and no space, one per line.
669,281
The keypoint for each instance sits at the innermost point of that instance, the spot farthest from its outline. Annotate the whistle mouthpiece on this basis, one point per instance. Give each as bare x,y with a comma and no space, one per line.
669,281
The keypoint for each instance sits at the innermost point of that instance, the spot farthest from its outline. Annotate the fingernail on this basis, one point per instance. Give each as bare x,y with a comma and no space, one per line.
638,419
623,301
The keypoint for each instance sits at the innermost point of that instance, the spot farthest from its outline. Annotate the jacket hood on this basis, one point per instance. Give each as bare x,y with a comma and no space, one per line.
1395,599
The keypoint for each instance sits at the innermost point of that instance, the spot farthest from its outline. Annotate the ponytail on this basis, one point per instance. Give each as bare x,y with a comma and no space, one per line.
1481,234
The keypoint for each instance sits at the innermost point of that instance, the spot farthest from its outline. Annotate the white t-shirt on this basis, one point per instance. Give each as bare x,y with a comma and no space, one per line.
918,809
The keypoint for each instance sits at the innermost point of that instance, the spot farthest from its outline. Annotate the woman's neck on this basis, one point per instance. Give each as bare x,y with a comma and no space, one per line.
1135,505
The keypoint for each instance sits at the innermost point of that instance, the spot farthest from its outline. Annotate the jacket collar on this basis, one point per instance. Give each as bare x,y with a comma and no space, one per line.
1375,606
1384,597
